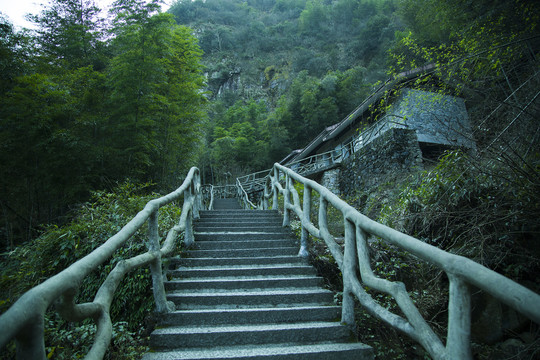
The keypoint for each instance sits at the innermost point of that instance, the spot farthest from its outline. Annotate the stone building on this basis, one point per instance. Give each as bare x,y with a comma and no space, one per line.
411,126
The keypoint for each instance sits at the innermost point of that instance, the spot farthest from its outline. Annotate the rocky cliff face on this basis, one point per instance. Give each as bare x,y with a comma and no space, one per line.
221,81
244,81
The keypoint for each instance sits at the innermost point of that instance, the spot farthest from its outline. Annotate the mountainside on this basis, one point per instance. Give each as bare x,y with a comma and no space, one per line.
279,71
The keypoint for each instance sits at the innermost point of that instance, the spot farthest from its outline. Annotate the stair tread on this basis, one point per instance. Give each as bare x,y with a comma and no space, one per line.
241,278
240,232
262,351
250,249
250,260
243,293
247,252
197,329
289,307
253,315
250,292
243,267
231,242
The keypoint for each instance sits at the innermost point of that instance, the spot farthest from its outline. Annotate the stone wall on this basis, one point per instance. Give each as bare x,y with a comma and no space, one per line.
330,180
395,151
437,119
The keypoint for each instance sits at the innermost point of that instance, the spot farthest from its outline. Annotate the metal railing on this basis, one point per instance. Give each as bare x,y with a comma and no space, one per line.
355,259
24,320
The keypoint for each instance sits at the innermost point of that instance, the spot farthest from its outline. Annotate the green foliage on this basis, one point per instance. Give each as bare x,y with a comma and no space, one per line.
313,19
155,80
473,209
58,247
246,137
13,54
84,109
304,60
463,29
69,34
238,142
313,104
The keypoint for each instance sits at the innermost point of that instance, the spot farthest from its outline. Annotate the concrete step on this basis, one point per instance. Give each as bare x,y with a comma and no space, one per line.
261,282
225,335
232,236
247,215
238,213
252,220
251,316
203,272
226,253
243,293
233,218
318,351
227,203
244,244
192,299
236,228
274,219
235,261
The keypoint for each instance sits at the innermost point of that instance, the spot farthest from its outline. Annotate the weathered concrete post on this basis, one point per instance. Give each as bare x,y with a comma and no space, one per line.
287,201
155,266
275,204
189,239
30,342
305,220
458,343
195,192
349,273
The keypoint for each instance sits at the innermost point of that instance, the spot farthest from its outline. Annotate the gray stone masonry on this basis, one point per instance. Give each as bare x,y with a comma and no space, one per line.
397,150
436,119
330,180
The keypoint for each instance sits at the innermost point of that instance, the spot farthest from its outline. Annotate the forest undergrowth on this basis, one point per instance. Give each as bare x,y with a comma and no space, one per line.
58,247
463,205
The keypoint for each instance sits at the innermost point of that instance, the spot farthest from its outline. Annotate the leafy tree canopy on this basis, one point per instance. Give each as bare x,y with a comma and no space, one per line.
91,105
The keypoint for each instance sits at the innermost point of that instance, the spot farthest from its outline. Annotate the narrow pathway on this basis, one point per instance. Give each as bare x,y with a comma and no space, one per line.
244,294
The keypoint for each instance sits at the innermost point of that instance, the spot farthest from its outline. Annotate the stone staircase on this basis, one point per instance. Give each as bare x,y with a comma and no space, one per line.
243,293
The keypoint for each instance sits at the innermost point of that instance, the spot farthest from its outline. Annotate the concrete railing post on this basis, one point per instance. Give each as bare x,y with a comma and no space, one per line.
155,266
305,220
458,343
275,204
31,343
189,238
287,201
349,273
195,196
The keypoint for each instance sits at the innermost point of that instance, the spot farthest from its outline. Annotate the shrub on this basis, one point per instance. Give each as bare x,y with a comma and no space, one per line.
58,247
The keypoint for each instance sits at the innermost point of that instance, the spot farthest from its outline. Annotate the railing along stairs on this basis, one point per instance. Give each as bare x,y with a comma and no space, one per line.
255,182
210,192
355,259
24,321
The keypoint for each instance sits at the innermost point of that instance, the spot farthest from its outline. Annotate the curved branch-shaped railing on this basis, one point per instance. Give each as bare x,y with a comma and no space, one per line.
24,320
224,191
461,271
253,182
207,196
244,197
